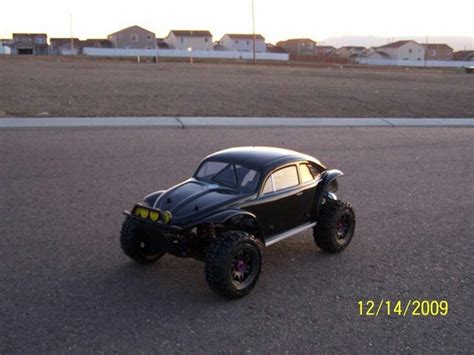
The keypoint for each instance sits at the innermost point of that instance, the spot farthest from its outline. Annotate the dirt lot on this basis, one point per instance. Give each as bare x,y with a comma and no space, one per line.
97,87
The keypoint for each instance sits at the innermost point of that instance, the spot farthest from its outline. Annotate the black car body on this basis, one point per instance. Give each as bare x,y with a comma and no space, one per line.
266,194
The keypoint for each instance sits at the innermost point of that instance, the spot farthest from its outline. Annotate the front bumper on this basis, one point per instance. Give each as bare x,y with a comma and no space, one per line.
151,216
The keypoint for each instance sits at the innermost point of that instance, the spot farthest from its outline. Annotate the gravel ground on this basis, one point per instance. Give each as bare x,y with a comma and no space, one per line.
53,86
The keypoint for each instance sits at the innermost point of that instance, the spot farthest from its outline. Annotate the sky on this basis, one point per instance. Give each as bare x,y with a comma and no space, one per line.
275,19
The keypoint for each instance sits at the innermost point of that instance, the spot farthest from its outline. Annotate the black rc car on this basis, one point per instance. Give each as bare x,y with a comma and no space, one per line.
238,201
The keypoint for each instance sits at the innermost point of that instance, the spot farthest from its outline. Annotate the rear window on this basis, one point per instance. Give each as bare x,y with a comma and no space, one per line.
228,174
305,173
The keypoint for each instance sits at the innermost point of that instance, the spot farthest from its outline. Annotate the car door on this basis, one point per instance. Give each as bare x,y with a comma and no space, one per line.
277,206
309,178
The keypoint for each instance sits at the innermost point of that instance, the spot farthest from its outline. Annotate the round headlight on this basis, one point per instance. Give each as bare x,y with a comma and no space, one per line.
144,213
154,216
166,217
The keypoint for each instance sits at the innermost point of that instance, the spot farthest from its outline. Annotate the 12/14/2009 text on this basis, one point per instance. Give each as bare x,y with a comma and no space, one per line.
413,308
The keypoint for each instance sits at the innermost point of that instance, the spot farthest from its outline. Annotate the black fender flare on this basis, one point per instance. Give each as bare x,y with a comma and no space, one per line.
150,199
328,177
227,216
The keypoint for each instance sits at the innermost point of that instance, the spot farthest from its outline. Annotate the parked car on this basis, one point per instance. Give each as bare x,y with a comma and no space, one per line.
238,201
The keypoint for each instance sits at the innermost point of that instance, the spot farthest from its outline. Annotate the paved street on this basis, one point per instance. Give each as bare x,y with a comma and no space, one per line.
65,285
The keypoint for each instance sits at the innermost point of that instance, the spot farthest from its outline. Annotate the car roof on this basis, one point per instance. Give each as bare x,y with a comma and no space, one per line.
260,158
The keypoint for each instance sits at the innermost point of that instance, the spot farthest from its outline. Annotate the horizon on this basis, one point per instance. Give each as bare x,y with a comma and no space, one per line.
276,22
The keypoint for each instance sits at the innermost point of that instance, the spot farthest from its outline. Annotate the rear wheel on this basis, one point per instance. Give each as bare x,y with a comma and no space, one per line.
136,244
335,227
233,264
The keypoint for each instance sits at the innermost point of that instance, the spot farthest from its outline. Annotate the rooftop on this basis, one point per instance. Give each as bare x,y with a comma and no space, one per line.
191,33
396,44
244,36
258,157
129,28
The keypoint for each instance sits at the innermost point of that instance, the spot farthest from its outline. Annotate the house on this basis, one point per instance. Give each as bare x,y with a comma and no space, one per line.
243,42
403,50
96,43
29,43
184,39
271,48
217,46
5,46
161,44
377,55
299,47
464,56
322,51
133,37
61,46
4,50
346,52
58,45
438,51
6,42
370,51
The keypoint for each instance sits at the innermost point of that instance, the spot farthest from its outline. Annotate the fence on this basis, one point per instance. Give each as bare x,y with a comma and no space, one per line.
176,53
412,63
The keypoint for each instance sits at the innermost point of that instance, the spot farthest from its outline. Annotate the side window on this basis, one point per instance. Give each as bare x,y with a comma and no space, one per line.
305,173
285,178
281,179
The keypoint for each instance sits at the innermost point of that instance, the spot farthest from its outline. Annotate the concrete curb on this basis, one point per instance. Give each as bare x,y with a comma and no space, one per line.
221,122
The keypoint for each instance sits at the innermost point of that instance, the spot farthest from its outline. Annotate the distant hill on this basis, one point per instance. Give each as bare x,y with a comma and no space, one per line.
456,42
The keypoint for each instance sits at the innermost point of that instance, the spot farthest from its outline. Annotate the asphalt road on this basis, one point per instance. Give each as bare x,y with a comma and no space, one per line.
65,285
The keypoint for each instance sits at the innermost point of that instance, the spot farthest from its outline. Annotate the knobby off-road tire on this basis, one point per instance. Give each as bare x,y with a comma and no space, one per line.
335,227
233,264
135,243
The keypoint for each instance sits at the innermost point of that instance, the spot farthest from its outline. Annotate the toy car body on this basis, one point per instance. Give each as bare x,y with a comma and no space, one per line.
239,200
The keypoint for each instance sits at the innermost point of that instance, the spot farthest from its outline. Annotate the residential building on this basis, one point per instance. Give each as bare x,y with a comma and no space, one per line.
438,51
61,46
322,51
185,39
217,46
133,37
369,51
403,50
58,45
4,50
271,48
6,42
29,43
243,42
161,44
464,55
96,43
299,47
377,55
346,52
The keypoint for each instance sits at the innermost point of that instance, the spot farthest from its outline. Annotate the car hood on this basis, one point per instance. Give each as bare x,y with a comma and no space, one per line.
193,200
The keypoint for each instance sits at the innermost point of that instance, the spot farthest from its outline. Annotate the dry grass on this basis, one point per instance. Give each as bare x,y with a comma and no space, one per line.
56,86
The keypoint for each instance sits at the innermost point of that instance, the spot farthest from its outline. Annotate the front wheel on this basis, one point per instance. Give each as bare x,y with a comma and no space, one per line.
233,264
335,227
136,244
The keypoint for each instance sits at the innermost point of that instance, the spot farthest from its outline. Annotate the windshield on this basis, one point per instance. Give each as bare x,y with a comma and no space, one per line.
227,174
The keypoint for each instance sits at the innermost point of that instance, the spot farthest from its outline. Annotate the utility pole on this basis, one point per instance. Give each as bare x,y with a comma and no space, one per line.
254,37
72,40
426,50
